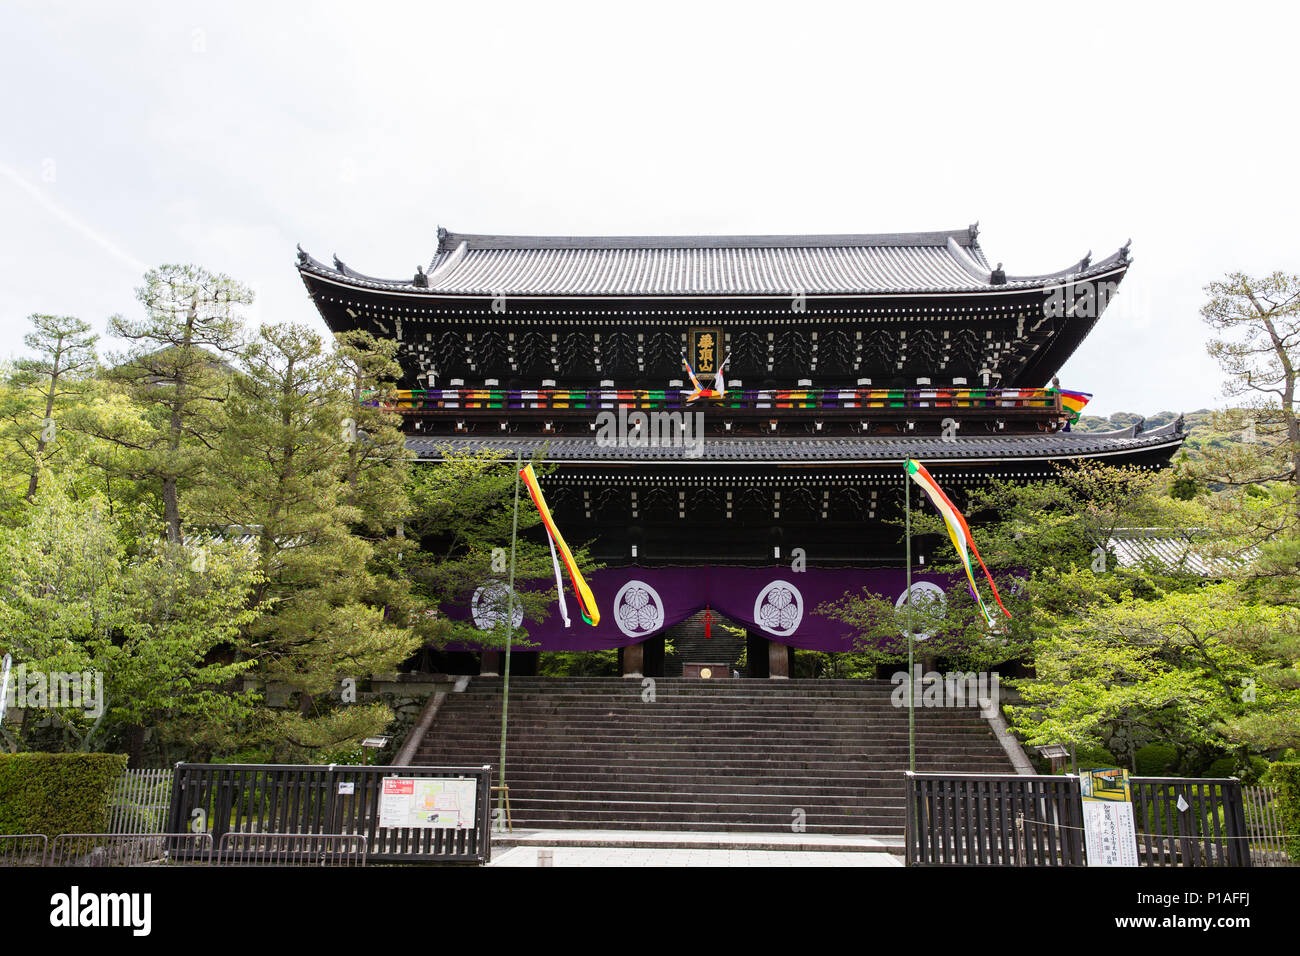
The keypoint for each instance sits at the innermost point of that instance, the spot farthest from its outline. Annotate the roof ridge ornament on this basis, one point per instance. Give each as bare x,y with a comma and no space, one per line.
1123,251
974,230
998,276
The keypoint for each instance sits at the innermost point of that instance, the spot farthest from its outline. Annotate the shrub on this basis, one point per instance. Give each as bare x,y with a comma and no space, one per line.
1227,767
1155,760
1090,758
57,793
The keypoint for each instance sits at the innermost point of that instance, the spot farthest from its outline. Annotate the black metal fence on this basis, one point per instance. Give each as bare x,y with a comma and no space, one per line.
336,800
291,849
1182,822
24,849
129,849
976,819
1011,820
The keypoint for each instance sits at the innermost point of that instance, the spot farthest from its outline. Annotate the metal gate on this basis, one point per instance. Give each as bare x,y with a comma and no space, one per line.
313,799
1030,820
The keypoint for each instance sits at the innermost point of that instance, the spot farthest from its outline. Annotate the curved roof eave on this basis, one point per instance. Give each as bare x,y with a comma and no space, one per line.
1116,264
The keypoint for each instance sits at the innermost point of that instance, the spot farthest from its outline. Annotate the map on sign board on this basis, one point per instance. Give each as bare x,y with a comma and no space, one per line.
428,802
1108,828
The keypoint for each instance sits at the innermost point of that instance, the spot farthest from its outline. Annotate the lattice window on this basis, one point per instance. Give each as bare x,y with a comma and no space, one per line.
793,352
490,351
748,353
618,353
533,352
663,354
576,353
834,352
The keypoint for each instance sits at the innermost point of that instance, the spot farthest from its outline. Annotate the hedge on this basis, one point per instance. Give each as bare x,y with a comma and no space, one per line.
1285,779
57,793
1155,760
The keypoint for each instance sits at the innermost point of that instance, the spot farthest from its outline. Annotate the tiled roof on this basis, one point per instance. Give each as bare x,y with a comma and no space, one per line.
885,263
882,450
1134,547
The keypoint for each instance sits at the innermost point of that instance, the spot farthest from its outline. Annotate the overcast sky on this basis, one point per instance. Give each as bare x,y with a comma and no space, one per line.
133,134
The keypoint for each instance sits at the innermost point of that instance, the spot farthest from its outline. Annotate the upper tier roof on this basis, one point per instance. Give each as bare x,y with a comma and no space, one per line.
879,264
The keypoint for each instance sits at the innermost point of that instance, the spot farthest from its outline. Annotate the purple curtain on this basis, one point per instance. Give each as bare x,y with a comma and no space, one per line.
638,603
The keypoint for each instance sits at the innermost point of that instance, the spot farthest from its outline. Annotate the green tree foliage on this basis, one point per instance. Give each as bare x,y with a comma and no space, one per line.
1180,667
42,386
1028,534
285,471
230,532
1256,471
72,601
176,370
462,511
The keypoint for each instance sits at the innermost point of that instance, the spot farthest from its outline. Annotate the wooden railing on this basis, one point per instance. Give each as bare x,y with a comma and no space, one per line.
1042,400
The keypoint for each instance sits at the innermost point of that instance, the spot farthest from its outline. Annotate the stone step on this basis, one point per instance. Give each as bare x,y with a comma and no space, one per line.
765,770
688,820
666,798
538,780
730,756
669,748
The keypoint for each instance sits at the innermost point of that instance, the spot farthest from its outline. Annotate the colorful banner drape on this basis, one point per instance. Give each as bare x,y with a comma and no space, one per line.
959,531
638,603
1073,403
586,600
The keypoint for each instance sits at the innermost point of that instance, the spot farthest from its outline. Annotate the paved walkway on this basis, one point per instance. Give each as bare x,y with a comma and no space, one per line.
699,840
680,856
691,848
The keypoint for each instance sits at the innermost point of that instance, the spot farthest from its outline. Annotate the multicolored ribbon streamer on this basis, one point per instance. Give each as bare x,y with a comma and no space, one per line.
960,534
719,383
586,600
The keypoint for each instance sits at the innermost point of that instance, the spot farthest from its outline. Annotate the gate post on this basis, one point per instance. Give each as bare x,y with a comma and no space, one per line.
778,660
1235,811
633,660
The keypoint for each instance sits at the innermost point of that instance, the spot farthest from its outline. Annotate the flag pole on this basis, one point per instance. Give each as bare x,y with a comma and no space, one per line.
911,678
510,629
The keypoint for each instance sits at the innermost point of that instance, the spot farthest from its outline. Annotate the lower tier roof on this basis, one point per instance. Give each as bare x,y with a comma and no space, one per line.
1119,446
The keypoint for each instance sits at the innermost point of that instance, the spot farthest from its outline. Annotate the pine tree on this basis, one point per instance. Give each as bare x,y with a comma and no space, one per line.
283,469
42,387
177,369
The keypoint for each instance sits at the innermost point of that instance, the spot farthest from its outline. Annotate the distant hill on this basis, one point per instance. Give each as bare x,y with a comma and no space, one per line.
1201,431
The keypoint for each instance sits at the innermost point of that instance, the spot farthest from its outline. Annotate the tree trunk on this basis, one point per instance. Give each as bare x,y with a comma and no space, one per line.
135,747
41,443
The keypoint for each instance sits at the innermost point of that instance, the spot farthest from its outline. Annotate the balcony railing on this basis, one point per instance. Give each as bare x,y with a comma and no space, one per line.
1044,401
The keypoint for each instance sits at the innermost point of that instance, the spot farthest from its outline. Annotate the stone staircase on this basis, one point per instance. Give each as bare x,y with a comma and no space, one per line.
691,646
733,755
